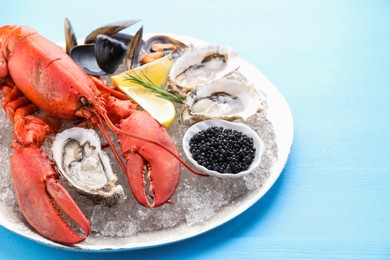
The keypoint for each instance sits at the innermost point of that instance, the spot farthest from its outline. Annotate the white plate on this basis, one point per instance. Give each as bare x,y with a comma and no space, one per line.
278,113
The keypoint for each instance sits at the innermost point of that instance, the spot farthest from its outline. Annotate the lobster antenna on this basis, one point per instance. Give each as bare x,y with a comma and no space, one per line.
110,143
103,117
116,129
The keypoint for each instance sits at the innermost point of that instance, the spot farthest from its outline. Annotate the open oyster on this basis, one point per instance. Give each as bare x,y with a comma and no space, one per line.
224,99
80,160
199,65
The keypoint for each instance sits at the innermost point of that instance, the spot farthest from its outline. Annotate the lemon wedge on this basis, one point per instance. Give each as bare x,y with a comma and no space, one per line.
157,72
160,109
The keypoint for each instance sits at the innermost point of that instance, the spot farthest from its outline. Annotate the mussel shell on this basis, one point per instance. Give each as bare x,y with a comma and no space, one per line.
123,37
109,53
180,46
101,58
70,36
84,56
126,38
110,29
134,49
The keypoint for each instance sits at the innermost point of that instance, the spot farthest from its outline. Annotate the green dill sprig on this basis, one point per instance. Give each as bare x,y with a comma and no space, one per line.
147,83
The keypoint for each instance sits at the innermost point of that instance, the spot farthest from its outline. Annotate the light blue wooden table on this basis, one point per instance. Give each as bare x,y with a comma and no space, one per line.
331,61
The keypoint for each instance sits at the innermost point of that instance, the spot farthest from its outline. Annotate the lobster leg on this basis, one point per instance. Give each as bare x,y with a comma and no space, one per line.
38,192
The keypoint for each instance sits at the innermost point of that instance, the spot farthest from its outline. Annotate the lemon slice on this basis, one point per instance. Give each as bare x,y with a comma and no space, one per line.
157,71
162,110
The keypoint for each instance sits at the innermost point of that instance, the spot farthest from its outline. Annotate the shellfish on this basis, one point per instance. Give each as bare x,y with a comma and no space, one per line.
165,44
81,162
224,99
200,65
104,48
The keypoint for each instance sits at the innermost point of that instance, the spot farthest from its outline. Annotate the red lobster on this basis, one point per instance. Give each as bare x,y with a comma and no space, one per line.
37,75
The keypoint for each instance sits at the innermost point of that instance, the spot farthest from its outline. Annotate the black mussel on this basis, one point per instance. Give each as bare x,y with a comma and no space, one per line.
123,37
70,36
101,58
84,56
134,49
110,29
166,44
109,53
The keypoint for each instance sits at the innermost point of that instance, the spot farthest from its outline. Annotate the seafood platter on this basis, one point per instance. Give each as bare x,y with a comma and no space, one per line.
119,141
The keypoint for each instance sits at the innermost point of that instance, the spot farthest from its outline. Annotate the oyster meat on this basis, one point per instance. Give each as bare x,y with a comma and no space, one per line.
81,162
224,99
199,65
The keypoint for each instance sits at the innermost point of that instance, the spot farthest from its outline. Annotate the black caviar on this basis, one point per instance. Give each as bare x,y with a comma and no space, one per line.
222,150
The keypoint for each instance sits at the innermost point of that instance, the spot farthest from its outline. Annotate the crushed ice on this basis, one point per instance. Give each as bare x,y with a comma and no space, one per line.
196,199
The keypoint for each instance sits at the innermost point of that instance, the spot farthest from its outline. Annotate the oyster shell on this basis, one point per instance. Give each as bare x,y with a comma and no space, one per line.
200,65
81,162
224,98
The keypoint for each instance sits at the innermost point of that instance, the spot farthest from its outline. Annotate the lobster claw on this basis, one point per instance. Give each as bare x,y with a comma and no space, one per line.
41,197
152,172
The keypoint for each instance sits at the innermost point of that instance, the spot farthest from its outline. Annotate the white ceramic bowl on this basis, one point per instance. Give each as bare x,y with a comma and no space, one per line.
257,143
